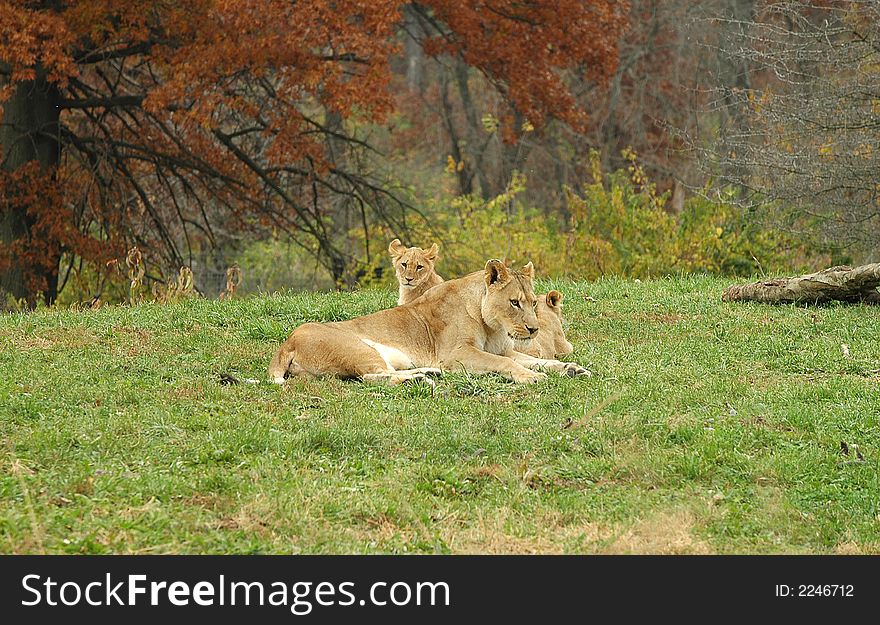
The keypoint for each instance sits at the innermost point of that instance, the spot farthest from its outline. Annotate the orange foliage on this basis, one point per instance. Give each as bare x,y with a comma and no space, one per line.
52,226
525,45
29,36
171,107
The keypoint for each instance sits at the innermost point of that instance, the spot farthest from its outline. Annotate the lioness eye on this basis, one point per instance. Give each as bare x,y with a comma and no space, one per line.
419,267
535,304
403,265
514,303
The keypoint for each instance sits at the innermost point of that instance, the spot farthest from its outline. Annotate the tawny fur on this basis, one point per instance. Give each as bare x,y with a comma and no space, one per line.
414,268
413,282
550,341
467,324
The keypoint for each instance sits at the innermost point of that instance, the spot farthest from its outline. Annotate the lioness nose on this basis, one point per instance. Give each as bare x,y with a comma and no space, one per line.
531,330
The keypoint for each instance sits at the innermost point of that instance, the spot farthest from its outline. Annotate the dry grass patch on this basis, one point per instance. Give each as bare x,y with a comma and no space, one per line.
56,338
850,548
507,532
664,533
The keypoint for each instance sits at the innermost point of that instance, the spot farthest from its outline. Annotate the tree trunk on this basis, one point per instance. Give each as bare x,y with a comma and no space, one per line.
476,130
842,283
463,169
413,52
28,132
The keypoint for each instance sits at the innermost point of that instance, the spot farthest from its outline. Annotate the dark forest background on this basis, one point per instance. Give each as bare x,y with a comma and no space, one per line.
292,140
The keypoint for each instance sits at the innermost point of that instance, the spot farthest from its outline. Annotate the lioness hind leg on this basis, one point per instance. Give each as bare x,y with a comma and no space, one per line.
318,349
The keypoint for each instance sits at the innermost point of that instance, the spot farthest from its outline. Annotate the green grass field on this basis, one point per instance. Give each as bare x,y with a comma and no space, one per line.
707,428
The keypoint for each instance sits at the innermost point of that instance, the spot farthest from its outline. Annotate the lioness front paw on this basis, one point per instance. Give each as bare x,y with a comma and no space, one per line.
420,377
528,377
574,370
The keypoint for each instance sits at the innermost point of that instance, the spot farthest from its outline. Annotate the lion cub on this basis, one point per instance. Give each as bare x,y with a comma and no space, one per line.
550,341
415,270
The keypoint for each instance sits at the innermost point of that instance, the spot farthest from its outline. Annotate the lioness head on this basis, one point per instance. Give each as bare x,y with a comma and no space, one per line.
413,265
551,341
509,301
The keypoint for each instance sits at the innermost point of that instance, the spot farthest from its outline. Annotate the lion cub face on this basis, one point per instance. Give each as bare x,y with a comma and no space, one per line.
509,303
413,265
550,342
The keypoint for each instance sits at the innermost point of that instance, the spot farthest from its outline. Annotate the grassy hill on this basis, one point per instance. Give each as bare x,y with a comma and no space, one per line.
707,427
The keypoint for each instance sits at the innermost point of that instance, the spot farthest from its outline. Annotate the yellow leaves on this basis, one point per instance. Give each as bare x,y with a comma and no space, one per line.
492,124
640,237
596,167
577,208
517,182
516,186
613,226
826,150
640,178
865,150
452,166
758,103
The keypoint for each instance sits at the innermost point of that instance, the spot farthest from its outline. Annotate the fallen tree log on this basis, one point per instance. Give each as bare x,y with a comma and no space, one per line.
842,283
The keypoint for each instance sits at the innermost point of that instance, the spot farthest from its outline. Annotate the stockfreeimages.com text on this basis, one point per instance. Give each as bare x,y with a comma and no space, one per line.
300,597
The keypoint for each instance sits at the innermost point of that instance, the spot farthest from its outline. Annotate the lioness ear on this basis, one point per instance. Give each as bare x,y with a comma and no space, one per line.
395,248
431,254
528,270
496,273
554,299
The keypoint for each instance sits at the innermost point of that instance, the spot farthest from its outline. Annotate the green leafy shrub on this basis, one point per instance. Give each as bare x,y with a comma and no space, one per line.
616,224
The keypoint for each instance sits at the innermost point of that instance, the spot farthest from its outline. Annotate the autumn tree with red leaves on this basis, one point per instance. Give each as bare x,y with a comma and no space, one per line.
155,123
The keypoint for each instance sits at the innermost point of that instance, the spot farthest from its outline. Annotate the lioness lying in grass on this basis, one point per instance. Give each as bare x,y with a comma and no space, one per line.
415,272
470,324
